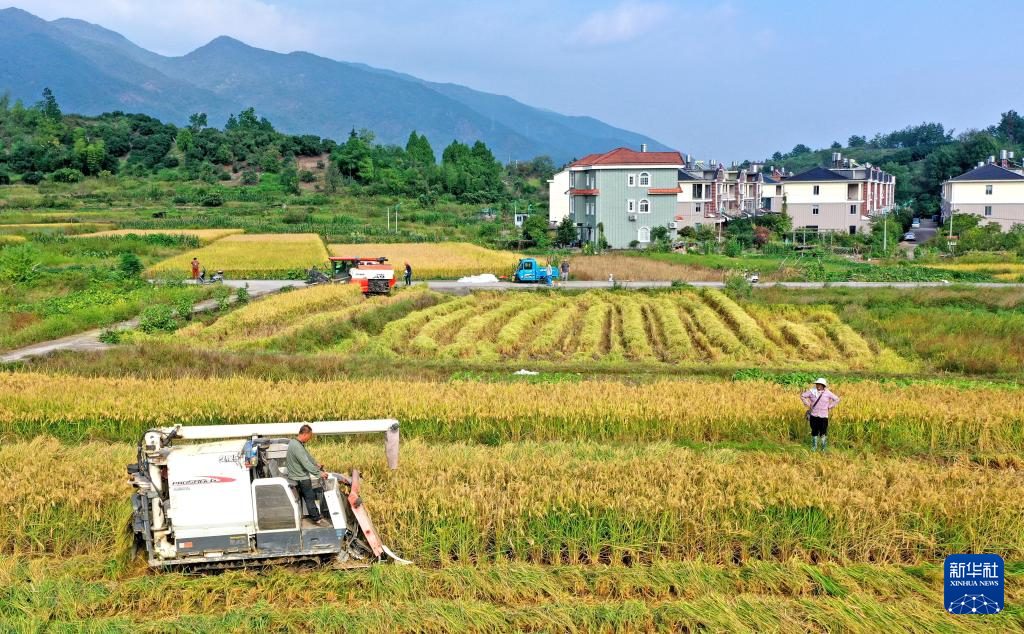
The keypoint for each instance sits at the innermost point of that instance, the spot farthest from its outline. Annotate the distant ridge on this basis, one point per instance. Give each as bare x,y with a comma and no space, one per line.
92,70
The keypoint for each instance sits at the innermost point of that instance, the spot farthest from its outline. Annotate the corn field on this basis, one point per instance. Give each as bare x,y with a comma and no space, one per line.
251,256
435,260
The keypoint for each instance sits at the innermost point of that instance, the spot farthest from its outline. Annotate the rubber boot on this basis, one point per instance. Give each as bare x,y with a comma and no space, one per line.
815,439
824,443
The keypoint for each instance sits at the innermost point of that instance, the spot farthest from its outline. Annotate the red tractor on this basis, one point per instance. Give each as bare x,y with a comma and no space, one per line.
373,275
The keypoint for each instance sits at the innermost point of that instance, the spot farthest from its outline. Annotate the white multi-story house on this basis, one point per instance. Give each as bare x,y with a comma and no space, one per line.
993,192
842,198
558,197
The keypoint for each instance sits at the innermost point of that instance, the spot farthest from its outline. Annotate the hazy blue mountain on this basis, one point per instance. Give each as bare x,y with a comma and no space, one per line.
92,70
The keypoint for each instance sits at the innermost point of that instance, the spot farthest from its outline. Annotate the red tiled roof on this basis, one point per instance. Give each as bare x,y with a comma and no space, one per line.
626,156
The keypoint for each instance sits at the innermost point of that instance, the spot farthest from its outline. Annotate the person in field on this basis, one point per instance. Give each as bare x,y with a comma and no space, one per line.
565,270
304,471
408,274
549,272
819,401
195,268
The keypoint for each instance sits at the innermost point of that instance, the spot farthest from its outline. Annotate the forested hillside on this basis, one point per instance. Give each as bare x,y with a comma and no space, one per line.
920,156
39,141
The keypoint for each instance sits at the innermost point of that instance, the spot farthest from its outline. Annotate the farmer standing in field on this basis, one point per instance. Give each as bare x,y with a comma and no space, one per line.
304,471
195,268
565,270
408,274
819,401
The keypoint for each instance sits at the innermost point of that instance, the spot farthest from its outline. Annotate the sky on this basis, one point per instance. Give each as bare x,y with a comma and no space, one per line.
728,80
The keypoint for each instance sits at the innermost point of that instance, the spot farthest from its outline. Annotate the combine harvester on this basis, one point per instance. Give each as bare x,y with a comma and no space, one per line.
373,275
228,503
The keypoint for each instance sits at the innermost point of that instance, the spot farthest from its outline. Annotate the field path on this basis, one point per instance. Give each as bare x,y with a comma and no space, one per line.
90,339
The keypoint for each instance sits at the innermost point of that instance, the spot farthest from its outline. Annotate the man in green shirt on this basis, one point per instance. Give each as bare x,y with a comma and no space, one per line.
304,471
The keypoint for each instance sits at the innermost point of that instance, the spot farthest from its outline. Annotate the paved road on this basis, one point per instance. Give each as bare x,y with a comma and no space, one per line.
922,234
90,339
462,288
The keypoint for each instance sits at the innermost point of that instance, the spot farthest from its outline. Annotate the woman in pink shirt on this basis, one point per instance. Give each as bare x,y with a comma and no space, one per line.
819,400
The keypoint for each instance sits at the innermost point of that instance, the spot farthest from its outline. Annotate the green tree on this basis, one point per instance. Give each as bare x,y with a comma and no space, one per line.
419,150
289,179
196,122
566,233
535,231
48,106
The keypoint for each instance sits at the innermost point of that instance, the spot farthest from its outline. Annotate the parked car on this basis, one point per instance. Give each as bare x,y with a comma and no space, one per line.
909,237
915,223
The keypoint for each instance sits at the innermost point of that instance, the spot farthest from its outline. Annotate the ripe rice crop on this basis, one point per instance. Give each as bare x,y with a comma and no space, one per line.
578,503
437,260
251,256
1004,271
204,235
6,239
916,419
677,327
675,596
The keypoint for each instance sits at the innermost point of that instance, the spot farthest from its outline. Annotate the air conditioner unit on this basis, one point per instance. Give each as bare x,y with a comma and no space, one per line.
673,225
632,217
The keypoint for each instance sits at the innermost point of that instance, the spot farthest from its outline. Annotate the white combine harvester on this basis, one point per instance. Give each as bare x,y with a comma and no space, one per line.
228,503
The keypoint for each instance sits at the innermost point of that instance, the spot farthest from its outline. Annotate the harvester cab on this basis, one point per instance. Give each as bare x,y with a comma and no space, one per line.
373,275
227,501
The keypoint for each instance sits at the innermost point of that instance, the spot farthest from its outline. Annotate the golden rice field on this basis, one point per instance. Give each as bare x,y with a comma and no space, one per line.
437,260
251,256
6,239
203,235
626,268
1005,271
553,537
920,418
614,327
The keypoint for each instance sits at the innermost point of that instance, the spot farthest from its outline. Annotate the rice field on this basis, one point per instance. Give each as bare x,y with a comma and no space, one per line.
251,256
915,419
203,235
70,228
626,268
1006,271
556,537
435,260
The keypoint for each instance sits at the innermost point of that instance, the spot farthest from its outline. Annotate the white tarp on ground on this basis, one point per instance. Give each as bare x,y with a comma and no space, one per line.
483,278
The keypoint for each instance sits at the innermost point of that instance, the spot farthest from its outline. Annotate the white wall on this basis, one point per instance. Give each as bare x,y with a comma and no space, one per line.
558,197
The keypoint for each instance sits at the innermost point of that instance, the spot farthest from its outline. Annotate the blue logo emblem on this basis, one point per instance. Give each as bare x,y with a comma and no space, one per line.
974,584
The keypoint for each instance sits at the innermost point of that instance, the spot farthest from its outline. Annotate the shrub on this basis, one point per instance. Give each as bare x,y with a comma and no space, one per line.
213,199
737,286
32,178
67,175
222,294
295,216
249,177
19,263
156,318
111,336
242,296
5,178
185,307
129,265
733,248
307,176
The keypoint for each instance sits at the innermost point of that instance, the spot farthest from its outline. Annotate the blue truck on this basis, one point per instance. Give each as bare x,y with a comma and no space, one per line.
529,270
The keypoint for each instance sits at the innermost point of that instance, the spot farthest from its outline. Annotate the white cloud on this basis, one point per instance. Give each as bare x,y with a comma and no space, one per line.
175,28
623,23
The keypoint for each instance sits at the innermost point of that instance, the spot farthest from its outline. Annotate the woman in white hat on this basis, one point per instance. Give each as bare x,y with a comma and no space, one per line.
819,400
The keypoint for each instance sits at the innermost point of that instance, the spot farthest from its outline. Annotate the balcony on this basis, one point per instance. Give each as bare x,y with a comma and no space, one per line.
583,192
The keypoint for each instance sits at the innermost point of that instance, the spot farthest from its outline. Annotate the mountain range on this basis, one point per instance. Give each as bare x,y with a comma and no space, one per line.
93,70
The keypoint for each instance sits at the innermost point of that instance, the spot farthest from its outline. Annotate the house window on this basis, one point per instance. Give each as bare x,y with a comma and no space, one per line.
643,235
988,209
778,190
853,209
696,208
814,210
631,206
698,191
631,180
817,189
645,206
645,179
988,189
